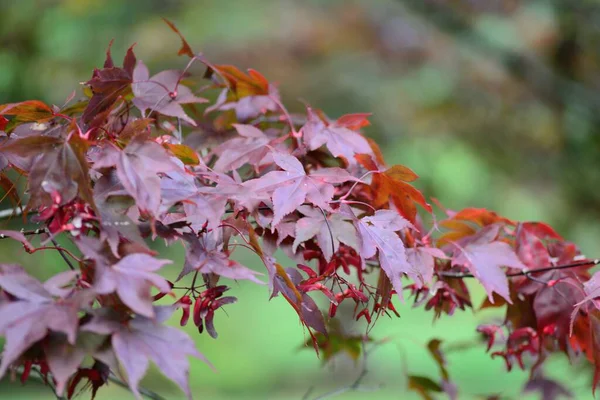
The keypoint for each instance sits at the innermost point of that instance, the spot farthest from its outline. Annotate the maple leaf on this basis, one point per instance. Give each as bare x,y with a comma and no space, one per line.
377,235
251,149
64,358
422,259
185,47
176,186
292,186
35,311
485,260
530,248
330,230
205,254
60,168
108,84
391,185
248,95
138,165
461,224
23,112
109,195
287,284
142,340
337,341
339,136
131,278
162,93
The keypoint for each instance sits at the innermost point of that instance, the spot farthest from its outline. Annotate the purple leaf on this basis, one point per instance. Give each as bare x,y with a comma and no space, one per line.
205,254
422,259
292,186
162,93
251,148
63,360
137,168
29,319
378,236
485,260
334,227
132,278
143,340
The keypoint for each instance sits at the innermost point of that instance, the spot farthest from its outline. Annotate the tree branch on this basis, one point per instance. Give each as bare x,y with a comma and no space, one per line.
461,275
32,232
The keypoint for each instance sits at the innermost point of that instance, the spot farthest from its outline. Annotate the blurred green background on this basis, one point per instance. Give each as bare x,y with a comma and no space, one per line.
494,103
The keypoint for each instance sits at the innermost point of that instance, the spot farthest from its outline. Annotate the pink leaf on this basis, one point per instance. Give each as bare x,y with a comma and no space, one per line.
485,260
339,139
143,340
205,254
162,93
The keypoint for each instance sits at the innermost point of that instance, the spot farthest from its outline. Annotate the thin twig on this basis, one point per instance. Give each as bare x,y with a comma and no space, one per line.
461,275
27,233
61,251
330,231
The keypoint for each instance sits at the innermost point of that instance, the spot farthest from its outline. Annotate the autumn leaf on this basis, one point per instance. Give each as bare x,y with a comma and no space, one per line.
393,185
205,254
142,340
250,148
184,153
330,230
138,166
247,95
185,47
131,278
26,111
292,186
340,136
485,260
378,236
36,311
61,169
108,85
162,93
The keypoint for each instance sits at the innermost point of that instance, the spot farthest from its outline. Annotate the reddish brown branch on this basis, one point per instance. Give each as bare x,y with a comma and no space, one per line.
461,275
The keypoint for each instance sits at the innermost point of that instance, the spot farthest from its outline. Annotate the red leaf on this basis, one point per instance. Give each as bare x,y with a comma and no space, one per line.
27,111
185,47
108,85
